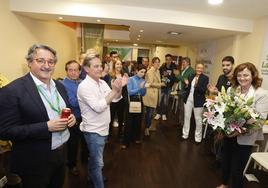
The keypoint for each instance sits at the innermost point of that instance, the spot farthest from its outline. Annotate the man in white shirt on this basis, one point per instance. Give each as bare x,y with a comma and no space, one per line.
94,97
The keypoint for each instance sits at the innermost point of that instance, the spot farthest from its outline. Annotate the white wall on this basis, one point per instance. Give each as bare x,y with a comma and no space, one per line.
244,48
161,51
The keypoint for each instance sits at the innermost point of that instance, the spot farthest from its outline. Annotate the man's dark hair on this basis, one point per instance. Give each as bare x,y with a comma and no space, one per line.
139,67
229,59
168,55
70,62
112,53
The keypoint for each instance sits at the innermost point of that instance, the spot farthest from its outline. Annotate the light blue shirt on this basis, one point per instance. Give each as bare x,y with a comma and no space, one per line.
60,137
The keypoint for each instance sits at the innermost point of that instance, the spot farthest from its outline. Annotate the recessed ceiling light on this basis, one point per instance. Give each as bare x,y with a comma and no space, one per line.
215,2
138,39
135,44
174,33
60,18
116,40
159,41
139,35
141,30
98,20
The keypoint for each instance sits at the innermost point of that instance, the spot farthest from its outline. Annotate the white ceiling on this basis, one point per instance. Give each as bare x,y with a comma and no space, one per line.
195,19
250,9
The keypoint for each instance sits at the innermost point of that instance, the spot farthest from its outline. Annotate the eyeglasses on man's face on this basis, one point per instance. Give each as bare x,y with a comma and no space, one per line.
42,61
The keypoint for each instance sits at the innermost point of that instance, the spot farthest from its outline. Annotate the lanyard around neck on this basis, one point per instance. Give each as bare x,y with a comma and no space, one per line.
57,108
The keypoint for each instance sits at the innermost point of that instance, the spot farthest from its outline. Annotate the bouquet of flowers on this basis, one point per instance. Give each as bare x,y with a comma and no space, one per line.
231,112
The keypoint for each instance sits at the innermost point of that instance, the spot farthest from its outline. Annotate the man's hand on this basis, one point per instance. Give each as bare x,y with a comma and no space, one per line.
163,84
57,124
71,120
165,73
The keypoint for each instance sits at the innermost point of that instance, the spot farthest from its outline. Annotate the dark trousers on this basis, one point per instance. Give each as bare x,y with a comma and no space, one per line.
234,160
132,130
180,110
73,144
162,106
53,177
148,116
118,109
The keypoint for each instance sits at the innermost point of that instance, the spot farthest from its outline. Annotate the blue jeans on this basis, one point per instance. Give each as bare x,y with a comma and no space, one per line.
95,144
148,116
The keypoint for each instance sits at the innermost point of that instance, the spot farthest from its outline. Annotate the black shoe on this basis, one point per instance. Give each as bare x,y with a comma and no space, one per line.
183,139
13,179
91,184
74,171
105,180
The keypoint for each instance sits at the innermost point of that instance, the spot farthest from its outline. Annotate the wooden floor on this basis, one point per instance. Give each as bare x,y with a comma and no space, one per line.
162,161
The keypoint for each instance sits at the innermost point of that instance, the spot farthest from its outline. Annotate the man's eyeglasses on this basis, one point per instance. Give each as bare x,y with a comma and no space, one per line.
42,61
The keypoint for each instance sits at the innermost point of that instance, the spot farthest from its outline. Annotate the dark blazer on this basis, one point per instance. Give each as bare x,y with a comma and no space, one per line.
199,91
23,120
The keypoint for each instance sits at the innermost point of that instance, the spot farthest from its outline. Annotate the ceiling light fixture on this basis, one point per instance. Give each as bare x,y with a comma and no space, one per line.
116,40
60,18
174,33
141,30
159,41
215,2
139,35
138,39
135,44
99,20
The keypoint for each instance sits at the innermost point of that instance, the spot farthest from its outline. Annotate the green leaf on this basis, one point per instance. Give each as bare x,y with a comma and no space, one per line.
250,101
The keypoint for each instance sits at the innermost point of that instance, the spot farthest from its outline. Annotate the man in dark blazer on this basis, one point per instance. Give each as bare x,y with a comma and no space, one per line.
30,110
186,72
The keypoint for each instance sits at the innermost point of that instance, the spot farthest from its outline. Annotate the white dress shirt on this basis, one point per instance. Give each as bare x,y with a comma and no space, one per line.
59,137
94,109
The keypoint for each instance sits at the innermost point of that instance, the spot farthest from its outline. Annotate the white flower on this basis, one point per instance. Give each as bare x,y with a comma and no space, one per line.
220,108
217,121
252,113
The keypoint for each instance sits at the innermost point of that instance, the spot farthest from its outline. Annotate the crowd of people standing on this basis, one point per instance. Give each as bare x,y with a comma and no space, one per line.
100,93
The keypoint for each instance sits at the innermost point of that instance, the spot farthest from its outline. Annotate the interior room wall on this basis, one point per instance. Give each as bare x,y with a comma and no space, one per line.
161,51
18,33
243,47
224,47
249,46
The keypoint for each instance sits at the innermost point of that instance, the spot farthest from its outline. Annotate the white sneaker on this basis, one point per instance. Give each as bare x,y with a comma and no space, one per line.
164,117
146,132
157,117
115,124
151,128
